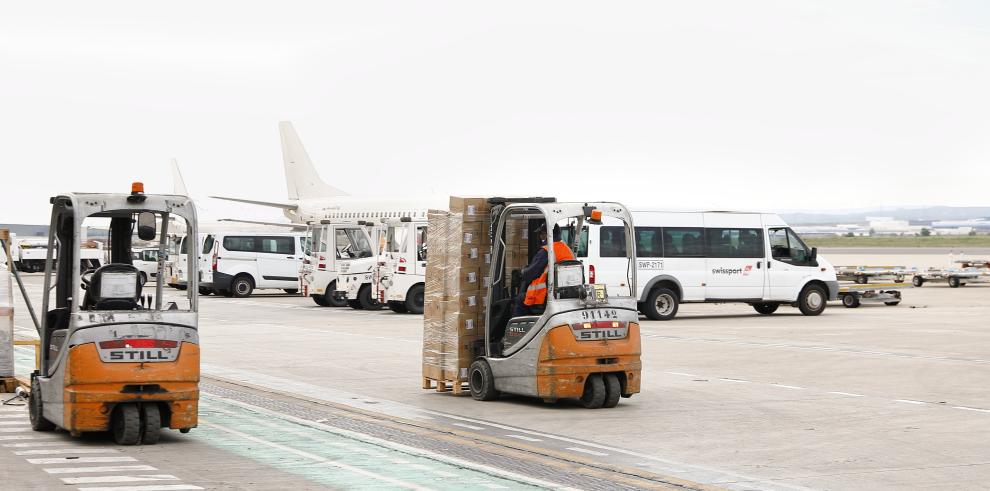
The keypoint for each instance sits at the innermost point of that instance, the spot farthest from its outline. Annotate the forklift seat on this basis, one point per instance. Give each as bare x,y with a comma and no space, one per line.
93,293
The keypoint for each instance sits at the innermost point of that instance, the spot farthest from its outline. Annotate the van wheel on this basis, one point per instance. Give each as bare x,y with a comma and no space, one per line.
594,392
766,308
414,299
812,300
38,421
918,281
954,282
367,301
291,291
151,423
242,286
126,424
143,278
661,304
613,390
850,301
482,381
333,302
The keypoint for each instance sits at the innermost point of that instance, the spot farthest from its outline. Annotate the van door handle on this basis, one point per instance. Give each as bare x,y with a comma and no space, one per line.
290,257
758,264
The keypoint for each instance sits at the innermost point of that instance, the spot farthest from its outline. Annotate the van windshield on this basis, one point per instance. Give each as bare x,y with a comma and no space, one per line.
352,243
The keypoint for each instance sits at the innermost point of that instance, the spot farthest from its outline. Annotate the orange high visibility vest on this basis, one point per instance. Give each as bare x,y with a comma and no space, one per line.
536,294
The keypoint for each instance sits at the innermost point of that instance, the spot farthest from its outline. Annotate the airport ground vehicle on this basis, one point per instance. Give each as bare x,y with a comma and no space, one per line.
683,257
863,274
403,266
177,265
357,275
886,293
954,277
113,359
146,261
333,241
584,342
29,254
241,262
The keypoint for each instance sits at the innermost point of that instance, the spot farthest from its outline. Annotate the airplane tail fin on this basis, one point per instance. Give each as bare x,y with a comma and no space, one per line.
178,184
301,178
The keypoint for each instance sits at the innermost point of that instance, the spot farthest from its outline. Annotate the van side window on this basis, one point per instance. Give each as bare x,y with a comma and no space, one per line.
208,244
787,247
734,242
236,243
612,242
683,242
649,242
278,245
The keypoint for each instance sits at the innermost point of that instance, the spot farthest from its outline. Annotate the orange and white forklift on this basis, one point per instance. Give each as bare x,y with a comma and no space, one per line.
584,342
115,356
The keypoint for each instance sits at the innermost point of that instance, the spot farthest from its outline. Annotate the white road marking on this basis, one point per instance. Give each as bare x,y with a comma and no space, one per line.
734,380
15,430
26,437
154,487
317,458
12,415
108,479
14,423
587,451
64,451
470,427
682,374
850,394
971,409
788,386
34,444
524,438
108,468
80,460
909,401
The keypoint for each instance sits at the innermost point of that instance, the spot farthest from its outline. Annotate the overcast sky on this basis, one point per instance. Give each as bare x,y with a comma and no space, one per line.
715,105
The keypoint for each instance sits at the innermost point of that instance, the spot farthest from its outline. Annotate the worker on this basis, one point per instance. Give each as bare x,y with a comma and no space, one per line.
535,275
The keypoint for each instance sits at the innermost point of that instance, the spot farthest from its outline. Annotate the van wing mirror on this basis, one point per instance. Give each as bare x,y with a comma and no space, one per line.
814,255
147,227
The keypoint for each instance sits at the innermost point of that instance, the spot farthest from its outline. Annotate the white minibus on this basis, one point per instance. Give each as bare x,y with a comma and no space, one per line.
241,262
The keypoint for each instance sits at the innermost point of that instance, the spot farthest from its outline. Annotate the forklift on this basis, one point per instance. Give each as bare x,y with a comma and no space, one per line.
112,357
584,342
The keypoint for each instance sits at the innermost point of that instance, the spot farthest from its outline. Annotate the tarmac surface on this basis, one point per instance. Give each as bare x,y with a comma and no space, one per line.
304,397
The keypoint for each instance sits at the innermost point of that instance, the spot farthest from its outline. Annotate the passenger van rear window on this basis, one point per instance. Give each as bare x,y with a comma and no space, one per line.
239,244
735,242
208,244
612,242
683,242
265,244
278,245
649,242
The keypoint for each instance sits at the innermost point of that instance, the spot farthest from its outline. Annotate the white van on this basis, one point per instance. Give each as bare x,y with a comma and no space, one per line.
146,262
241,262
684,257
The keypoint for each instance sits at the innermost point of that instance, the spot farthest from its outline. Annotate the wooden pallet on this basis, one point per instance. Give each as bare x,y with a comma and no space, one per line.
443,380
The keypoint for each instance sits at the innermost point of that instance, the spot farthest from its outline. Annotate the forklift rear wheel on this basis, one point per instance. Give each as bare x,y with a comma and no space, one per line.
397,307
918,281
38,421
482,382
126,424
242,286
184,430
765,308
414,299
333,302
613,389
205,291
954,282
594,392
850,301
368,302
151,423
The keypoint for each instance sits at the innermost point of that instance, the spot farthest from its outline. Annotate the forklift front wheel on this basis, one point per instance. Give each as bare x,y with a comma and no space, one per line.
126,424
594,392
482,381
38,421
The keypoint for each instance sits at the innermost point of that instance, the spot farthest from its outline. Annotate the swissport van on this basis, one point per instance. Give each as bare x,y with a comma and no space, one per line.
241,262
716,257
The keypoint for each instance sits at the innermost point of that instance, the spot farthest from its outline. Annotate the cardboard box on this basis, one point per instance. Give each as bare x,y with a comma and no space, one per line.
462,279
472,209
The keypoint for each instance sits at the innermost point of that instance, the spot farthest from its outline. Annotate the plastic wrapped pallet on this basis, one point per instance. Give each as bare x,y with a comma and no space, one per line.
6,321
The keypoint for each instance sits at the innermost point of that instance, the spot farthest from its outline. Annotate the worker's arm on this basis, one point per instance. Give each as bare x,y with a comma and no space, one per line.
535,268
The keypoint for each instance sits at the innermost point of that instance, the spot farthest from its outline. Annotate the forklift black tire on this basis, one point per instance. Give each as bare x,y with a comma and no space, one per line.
954,282
594,392
143,278
151,423
397,307
354,304
367,301
766,308
812,300
613,390
917,281
414,299
205,291
661,304
328,297
291,291
37,416
241,286
125,423
850,301
184,430
481,381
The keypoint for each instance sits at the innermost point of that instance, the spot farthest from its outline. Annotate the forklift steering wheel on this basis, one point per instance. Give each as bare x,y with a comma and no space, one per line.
85,280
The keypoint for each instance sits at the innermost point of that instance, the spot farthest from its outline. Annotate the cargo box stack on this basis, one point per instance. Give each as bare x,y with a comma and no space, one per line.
457,271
